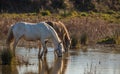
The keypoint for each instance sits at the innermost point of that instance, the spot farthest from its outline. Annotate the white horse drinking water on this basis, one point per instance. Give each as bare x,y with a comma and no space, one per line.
34,31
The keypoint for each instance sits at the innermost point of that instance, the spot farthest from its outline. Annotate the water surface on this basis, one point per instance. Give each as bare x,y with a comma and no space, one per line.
74,62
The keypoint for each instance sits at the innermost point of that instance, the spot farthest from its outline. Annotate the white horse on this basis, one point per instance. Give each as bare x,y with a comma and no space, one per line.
34,31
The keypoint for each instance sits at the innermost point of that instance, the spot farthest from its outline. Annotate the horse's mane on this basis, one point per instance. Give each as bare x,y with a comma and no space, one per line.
66,31
25,23
60,26
53,31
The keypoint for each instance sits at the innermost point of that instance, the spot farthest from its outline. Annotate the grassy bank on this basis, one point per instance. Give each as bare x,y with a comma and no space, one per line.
95,25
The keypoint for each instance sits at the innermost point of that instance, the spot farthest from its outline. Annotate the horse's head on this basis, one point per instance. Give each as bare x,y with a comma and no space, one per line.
60,49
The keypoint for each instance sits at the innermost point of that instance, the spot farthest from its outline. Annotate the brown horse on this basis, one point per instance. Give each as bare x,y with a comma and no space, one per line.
62,33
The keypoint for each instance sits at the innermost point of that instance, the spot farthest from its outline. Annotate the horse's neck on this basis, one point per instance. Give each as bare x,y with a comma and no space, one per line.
56,40
67,36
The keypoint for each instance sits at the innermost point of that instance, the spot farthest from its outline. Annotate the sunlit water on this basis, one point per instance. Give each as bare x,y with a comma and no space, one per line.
74,62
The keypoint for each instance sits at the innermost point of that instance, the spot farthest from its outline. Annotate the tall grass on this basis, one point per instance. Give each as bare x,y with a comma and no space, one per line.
117,34
45,13
75,43
107,40
83,39
95,25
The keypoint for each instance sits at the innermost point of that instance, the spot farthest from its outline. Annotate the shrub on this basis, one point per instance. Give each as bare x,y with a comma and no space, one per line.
105,16
107,40
45,13
83,39
117,35
111,12
65,14
83,14
75,42
74,13
91,12
117,40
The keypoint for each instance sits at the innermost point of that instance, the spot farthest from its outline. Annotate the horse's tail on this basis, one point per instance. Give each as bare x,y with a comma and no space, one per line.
9,36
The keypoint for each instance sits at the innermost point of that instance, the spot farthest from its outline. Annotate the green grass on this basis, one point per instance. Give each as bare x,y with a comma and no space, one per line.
107,40
111,16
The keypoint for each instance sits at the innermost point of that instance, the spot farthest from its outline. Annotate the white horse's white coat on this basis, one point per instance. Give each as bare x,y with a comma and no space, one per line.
36,31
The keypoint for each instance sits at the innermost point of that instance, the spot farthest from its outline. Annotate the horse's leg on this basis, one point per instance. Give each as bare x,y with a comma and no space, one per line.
46,47
39,44
14,45
44,50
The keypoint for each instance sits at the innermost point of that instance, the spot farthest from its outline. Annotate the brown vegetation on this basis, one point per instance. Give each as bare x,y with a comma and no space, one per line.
93,26
95,18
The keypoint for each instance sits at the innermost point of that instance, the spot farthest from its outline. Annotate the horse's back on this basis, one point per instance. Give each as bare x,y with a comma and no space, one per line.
28,26
32,31
38,30
18,28
19,25
28,30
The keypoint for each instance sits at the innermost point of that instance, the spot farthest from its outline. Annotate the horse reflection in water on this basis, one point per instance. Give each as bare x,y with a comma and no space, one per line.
58,67
54,66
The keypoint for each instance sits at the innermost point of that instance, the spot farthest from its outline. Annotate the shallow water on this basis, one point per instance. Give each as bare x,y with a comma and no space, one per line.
74,62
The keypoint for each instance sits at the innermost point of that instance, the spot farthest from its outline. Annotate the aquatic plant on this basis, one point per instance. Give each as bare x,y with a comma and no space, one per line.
83,14
117,40
75,42
45,13
83,39
6,57
107,40
117,35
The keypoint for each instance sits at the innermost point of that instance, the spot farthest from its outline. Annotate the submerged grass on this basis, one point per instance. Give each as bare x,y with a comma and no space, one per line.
6,57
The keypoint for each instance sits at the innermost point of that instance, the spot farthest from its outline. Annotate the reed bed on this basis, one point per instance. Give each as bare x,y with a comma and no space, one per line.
85,28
